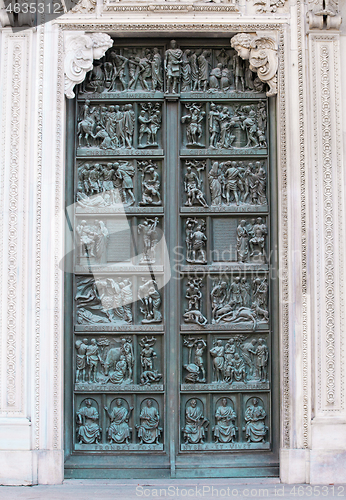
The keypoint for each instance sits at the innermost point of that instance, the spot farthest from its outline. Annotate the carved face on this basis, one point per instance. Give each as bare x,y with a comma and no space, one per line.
118,402
243,52
224,402
88,403
173,44
193,403
255,401
149,403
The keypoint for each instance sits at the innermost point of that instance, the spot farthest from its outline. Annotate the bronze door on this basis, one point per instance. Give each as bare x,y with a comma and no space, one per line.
170,308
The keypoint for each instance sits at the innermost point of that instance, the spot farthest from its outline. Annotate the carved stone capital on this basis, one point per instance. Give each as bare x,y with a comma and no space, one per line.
324,14
262,55
80,51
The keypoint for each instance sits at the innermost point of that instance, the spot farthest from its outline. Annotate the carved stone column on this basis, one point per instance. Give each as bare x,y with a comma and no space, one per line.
15,424
328,427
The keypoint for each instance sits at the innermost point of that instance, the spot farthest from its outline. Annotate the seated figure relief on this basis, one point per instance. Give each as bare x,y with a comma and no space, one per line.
148,430
119,430
194,431
88,429
225,429
255,428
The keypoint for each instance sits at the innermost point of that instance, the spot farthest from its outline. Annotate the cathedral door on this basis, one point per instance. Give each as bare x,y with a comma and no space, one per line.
171,330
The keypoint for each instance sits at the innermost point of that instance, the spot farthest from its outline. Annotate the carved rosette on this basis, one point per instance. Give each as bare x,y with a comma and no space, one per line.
262,55
80,51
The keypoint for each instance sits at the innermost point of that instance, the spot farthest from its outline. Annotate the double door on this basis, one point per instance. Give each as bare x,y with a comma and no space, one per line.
170,305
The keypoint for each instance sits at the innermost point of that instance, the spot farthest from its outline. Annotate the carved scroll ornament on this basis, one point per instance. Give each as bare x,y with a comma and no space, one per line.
324,14
80,51
262,55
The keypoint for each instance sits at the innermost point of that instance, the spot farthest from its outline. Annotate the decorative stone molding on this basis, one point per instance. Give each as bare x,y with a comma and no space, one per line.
171,5
262,55
80,51
324,14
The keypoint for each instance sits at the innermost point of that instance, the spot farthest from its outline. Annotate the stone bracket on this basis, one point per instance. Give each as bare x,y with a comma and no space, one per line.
80,51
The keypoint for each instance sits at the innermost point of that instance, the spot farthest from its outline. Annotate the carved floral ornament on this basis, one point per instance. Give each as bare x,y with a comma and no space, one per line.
81,49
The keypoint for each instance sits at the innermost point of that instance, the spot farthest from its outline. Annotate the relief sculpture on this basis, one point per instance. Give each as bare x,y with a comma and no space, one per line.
240,301
150,184
237,126
112,127
194,367
93,241
105,300
237,183
148,354
149,431
109,185
150,300
88,429
196,424
193,183
126,70
148,232
193,120
196,241
193,295
225,429
255,428
251,239
119,430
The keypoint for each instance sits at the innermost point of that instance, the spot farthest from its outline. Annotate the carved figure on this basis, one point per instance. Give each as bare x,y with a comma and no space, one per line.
81,362
215,78
193,368
149,234
193,295
186,71
149,124
194,127
195,424
119,431
92,359
257,242
156,70
149,431
262,55
150,298
225,429
193,183
262,359
237,371
214,125
88,430
215,178
195,241
242,242
147,361
218,355
80,52
203,70
150,183
119,374
172,64
255,428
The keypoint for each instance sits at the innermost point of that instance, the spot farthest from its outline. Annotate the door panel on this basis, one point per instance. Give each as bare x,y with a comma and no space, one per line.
170,343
